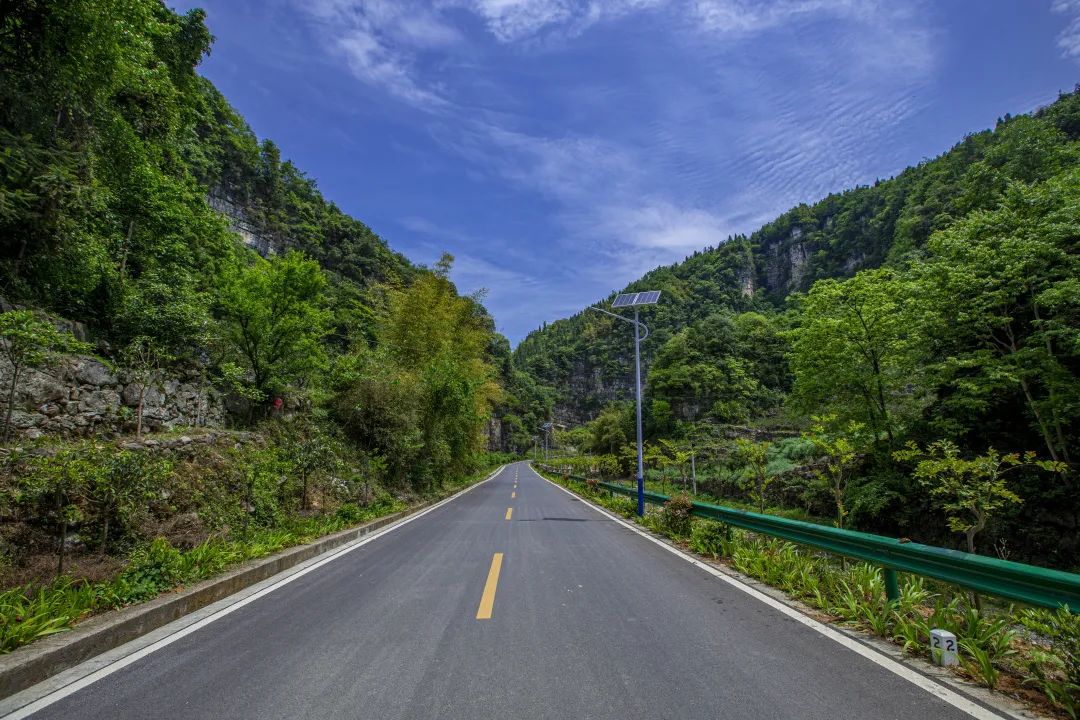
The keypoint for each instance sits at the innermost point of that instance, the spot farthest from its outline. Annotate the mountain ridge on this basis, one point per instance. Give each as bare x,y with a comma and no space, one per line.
883,224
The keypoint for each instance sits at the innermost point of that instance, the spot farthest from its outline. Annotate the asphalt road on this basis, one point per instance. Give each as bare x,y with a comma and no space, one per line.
587,620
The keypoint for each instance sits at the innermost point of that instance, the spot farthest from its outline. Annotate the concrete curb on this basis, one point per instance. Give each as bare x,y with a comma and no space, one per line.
40,660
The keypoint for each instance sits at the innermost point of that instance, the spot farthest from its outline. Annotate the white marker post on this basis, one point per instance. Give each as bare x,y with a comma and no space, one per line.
943,648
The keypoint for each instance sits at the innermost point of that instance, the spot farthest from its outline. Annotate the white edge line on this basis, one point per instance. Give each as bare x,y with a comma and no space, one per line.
87,680
953,698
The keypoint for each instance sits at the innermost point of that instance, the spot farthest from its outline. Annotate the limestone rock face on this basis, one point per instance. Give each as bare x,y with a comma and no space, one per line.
92,372
37,387
78,395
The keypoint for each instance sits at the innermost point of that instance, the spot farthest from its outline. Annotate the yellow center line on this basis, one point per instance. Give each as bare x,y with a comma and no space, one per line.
513,495
509,512
487,600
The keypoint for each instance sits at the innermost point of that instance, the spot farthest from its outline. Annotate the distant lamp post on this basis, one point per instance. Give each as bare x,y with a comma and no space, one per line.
546,428
636,300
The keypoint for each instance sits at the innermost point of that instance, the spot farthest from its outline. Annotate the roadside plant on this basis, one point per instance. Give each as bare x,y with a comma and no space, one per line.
29,614
144,358
756,473
707,537
1055,669
678,457
676,515
839,456
55,483
120,488
312,453
978,661
971,491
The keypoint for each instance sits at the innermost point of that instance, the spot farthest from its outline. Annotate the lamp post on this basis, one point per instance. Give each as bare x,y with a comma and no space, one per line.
546,429
636,300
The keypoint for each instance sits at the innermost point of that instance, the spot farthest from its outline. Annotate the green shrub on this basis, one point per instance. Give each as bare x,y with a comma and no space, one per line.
155,567
350,514
623,506
26,615
653,520
676,515
707,537
1056,670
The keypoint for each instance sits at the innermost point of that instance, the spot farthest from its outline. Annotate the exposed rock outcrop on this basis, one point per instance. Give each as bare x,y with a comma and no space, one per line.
79,395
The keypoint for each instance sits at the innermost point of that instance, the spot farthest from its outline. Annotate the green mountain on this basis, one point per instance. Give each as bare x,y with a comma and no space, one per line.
136,203
587,359
938,310
112,147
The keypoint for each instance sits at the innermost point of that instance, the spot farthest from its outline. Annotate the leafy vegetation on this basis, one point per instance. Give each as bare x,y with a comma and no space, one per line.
937,307
175,517
138,206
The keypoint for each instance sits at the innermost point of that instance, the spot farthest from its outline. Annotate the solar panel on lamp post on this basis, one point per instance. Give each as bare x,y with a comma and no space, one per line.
636,300
547,428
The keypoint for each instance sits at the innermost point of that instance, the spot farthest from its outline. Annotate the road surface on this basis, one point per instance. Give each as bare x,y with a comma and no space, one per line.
515,600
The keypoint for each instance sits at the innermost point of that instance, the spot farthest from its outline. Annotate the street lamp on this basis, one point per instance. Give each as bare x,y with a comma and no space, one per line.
636,300
546,428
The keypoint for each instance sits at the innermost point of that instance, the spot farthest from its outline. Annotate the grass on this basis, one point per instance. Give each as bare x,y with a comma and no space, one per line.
1031,649
675,486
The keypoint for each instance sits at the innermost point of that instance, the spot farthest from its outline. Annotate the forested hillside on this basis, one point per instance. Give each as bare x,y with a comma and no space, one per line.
200,353
939,307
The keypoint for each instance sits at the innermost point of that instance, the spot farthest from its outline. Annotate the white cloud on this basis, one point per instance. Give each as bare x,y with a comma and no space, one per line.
748,16
374,62
513,19
661,225
721,140
566,168
379,40
1068,39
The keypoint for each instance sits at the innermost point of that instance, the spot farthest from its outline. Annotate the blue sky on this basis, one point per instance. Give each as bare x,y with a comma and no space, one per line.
561,148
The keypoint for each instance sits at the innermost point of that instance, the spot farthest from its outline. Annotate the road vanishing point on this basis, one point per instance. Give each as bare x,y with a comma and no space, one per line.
514,600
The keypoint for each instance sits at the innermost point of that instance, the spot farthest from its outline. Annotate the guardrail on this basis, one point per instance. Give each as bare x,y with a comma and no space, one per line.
1028,584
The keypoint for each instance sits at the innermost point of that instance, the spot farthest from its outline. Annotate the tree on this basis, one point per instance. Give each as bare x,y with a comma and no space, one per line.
274,322
970,491
839,457
608,466
121,485
607,431
421,396
311,451
57,481
29,341
678,455
144,359
166,308
1005,283
756,470
699,372
654,458
858,348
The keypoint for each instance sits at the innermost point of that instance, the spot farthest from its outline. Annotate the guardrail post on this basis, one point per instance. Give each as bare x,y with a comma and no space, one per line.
892,585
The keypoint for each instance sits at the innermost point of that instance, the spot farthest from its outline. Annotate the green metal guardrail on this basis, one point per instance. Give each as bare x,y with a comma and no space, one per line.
1028,584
